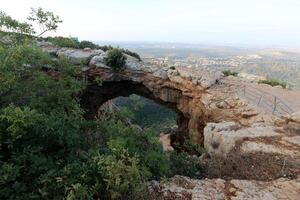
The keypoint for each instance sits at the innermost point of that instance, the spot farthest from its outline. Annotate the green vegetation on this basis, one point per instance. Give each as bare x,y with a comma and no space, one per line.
9,24
230,73
87,44
184,164
71,43
45,20
133,54
115,59
148,114
273,82
48,150
64,42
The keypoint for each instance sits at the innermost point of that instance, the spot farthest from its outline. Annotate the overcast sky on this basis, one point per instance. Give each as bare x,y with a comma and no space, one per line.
219,22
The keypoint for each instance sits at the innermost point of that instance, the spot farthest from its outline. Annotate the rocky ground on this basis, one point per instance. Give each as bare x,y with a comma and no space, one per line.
183,188
249,154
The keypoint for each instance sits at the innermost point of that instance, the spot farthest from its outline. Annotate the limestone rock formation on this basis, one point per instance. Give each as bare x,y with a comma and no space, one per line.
78,56
241,141
221,138
183,188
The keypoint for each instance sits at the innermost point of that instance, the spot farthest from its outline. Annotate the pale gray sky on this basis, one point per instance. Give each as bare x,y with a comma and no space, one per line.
221,22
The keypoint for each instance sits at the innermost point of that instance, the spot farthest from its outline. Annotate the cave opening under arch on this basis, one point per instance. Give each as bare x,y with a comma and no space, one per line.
94,96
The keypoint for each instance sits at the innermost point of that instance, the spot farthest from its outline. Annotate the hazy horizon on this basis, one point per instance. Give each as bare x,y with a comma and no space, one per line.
234,23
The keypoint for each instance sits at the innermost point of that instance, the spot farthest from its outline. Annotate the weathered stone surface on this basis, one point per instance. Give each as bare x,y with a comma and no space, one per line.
161,74
132,63
221,138
48,48
295,117
78,56
183,188
98,61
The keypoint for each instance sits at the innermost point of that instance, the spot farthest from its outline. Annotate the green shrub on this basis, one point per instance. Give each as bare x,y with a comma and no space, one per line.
229,73
64,42
273,82
106,48
186,165
87,44
48,150
115,59
133,54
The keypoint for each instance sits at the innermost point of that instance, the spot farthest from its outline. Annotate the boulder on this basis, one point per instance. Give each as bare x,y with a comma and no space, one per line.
48,47
78,56
221,138
295,117
132,63
98,61
161,74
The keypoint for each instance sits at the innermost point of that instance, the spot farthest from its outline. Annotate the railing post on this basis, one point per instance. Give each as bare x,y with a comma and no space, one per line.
244,90
259,99
275,104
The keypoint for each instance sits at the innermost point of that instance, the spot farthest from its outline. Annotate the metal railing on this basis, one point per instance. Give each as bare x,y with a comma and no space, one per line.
268,102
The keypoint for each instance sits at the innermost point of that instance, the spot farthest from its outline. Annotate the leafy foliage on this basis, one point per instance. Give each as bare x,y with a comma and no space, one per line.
48,150
46,20
64,42
133,54
229,73
7,23
186,165
274,82
148,114
87,44
115,59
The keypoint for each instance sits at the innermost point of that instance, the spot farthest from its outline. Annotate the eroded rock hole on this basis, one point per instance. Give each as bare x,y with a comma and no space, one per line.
159,113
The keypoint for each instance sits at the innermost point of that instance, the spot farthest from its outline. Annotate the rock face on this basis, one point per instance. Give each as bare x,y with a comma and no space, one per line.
193,101
183,188
221,138
78,56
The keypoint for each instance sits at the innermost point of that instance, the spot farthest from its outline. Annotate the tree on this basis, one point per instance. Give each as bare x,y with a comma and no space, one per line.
46,20
7,23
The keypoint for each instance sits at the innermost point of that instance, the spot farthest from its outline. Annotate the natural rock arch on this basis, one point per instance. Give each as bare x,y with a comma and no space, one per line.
194,93
94,96
191,94
239,135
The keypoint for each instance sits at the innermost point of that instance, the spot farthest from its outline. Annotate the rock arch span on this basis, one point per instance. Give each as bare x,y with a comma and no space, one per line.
190,119
194,93
239,133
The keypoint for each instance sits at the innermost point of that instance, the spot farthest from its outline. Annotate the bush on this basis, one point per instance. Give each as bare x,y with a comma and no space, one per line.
115,59
133,54
64,42
185,165
87,44
273,82
229,73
